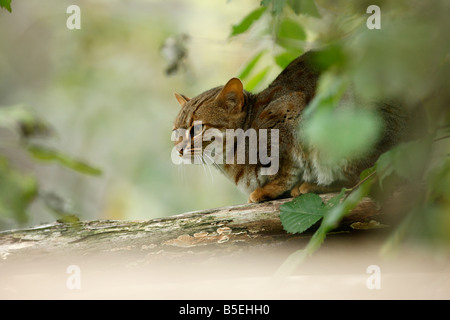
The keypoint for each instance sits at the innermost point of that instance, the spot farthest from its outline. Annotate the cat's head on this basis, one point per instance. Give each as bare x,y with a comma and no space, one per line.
219,108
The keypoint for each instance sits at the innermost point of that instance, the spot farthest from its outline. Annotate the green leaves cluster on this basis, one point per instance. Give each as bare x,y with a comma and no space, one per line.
287,33
405,62
407,164
296,218
305,211
25,134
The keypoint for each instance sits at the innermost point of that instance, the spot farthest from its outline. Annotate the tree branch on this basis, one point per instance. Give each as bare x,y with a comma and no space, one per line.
211,231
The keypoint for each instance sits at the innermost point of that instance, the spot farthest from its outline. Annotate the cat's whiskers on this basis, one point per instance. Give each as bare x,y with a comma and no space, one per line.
200,160
209,169
206,156
216,165
182,172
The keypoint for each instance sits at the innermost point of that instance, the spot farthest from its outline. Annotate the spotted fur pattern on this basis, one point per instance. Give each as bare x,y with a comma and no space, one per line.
302,169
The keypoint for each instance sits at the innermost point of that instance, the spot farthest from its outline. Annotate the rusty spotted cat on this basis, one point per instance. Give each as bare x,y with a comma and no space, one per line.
279,107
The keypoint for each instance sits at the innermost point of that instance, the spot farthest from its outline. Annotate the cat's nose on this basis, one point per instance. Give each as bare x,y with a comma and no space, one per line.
179,150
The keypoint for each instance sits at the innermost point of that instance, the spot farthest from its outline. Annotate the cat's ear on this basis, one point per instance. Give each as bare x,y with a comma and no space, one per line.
233,95
182,99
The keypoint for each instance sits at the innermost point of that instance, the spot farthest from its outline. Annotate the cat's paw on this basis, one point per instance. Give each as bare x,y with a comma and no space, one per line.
307,187
301,189
259,195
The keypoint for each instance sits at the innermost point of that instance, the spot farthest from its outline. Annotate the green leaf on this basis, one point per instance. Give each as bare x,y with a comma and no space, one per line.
304,211
333,217
301,213
277,6
291,30
307,7
45,154
290,35
248,20
411,158
249,67
367,172
6,4
331,88
257,79
332,56
334,207
285,58
407,160
295,5
342,133
384,167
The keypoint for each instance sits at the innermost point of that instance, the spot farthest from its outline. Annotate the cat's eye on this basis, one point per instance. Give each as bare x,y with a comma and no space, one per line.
197,129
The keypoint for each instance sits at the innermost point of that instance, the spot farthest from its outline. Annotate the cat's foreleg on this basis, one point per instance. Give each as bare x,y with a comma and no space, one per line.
275,187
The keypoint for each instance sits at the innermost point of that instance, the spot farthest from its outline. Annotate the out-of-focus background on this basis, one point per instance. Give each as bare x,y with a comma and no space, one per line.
86,115
105,92
85,133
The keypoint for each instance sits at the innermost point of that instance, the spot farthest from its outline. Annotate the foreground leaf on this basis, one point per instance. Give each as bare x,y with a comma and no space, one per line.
407,160
300,214
6,4
285,58
307,7
331,219
304,211
277,6
291,30
247,22
257,79
344,133
249,67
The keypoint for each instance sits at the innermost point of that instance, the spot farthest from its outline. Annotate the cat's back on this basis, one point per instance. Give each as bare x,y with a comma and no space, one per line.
300,75
287,96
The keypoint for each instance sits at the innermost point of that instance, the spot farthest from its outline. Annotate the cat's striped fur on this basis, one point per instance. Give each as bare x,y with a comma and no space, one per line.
302,169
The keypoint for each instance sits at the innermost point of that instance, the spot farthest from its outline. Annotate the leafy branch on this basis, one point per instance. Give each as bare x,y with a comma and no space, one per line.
371,66
304,211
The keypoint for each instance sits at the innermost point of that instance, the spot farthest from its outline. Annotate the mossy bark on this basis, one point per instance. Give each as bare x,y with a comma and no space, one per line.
210,231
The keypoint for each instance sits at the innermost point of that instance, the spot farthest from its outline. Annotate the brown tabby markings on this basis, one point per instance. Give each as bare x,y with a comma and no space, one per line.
301,168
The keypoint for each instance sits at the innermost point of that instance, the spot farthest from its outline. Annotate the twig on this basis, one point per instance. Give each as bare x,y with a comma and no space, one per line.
441,138
359,183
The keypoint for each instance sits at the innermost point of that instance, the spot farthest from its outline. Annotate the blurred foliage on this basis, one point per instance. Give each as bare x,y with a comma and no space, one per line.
104,90
24,132
406,61
17,191
6,4
103,93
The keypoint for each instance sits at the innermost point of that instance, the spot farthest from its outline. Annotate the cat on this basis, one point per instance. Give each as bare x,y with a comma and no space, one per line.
279,107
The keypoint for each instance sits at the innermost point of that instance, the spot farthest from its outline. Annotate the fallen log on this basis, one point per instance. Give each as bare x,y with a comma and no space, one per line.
212,230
